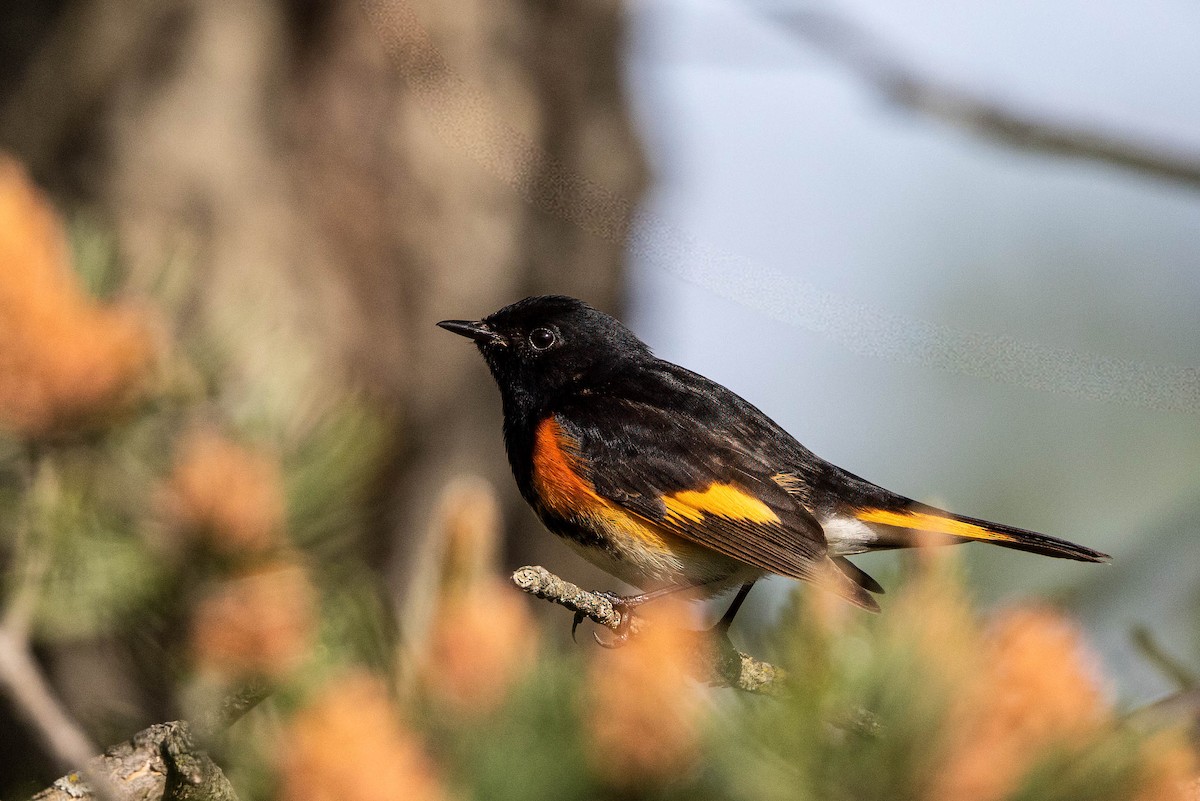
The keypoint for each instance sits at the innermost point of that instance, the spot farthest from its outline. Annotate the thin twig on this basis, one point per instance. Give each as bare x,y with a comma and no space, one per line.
879,66
22,681
1149,647
540,582
21,678
231,709
29,563
720,664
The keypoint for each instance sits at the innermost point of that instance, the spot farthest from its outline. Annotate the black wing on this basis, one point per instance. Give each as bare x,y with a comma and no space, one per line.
685,459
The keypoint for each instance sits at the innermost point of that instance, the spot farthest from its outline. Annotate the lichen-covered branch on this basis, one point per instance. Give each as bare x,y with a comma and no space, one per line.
540,582
876,64
718,662
159,763
165,762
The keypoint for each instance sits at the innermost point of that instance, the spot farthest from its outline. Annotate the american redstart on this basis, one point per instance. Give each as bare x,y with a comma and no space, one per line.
670,481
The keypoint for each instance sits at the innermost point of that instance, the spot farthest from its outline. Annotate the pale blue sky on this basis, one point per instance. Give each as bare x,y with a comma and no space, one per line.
802,240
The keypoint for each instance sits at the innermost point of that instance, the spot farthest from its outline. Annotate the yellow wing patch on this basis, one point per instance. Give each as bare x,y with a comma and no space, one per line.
922,521
718,500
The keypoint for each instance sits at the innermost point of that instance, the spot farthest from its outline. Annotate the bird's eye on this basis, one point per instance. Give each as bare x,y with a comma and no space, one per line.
541,338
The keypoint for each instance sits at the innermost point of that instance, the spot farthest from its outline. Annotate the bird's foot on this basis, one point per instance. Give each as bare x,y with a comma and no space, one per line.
624,606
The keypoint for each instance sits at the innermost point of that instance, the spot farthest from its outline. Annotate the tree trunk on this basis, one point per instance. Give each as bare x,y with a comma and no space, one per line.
338,178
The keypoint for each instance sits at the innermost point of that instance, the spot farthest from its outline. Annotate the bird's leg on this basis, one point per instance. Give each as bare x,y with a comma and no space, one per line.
722,625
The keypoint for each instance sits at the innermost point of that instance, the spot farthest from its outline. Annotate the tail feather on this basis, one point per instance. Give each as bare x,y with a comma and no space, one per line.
857,575
921,518
840,576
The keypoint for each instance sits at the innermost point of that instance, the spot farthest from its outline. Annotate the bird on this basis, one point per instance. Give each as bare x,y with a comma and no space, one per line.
669,481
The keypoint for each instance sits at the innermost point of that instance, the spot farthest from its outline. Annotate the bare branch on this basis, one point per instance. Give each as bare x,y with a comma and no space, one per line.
156,764
22,681
879,66
540,582
164,762
721,664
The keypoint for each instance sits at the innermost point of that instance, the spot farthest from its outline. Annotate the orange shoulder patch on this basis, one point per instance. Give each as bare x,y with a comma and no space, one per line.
556,475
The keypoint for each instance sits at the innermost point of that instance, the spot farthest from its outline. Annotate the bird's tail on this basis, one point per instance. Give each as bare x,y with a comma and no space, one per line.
901,527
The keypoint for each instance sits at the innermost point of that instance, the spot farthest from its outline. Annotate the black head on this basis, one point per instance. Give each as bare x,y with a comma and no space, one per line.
540,347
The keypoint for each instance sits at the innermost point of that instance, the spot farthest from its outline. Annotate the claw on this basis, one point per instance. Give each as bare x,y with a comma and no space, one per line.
579,616
618,639
620,634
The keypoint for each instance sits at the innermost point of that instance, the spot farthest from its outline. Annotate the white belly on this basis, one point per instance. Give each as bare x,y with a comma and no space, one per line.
708,571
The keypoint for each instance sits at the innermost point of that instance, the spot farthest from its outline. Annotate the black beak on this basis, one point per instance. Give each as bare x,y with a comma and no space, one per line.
471,330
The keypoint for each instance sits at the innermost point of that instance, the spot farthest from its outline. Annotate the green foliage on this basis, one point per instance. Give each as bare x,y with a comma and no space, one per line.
96,259
531,742
329,473
863,716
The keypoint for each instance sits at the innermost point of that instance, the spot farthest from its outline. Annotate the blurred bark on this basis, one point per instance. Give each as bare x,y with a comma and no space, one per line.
311,174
